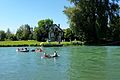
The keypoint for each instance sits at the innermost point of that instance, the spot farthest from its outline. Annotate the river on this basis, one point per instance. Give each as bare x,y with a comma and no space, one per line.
74,63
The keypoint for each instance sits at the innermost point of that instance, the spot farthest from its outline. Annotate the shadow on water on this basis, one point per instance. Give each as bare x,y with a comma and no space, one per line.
113,62
88,63
95,63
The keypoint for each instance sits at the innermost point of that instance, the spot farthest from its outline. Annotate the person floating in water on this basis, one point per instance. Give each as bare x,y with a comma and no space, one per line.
55,54
51,56
46,55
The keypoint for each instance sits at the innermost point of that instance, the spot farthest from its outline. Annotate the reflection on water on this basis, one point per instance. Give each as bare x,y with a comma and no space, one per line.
113,63
95,63
88,63
74,63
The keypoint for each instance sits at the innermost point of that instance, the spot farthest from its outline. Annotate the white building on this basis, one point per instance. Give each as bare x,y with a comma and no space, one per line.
55,33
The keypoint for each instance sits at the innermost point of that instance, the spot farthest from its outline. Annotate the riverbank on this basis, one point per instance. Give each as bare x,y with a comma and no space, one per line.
36,43
106,43
19,43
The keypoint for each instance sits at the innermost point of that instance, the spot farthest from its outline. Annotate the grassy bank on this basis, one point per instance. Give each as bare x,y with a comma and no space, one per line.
36,43
19,43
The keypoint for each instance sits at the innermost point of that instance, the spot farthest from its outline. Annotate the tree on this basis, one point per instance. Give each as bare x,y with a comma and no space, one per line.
26,31
13,37
37,34
19,33
41,32
91,17
82,19
23,33
68,34
9,35
2,35
114,22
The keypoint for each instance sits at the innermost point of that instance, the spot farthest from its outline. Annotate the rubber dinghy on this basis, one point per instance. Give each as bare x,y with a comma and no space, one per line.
50,56
22,50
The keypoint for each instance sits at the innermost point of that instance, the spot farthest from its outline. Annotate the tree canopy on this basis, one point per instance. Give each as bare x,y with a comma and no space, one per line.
2,35
23,32
41,32
68,34
94,20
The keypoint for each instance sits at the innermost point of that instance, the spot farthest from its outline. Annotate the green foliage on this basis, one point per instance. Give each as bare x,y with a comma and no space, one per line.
68,34
23,33
37,34
2,35
92,19
41,32
53,44
36,43
44,23
10,36
19,33
115,30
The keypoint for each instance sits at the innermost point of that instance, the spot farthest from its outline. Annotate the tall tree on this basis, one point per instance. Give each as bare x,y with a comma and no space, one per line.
68,34
90,18
114,20
41,32
2,35
23,32
37,35
82,18
8,34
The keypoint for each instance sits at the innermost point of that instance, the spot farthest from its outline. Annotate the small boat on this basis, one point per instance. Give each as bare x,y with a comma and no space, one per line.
22,50
50,56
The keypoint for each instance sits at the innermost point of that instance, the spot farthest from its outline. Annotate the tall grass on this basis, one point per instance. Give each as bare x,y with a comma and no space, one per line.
36,43
62,43
19,43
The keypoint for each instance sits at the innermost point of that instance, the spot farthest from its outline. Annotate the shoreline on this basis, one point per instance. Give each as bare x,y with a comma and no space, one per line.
51,44
38,44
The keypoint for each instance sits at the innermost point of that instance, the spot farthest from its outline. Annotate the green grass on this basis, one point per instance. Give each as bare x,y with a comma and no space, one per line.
20,43
62,43
75,43
36,43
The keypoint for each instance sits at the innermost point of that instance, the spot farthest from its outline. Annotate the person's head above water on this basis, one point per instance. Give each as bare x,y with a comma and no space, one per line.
44,53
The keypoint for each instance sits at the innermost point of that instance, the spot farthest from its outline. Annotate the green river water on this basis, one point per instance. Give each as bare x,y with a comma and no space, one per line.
74,63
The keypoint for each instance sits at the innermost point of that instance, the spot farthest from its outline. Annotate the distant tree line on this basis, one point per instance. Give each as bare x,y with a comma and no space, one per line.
40,33
94,21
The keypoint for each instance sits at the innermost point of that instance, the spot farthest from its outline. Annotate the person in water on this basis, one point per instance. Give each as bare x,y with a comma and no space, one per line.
55,54
46,55
49,56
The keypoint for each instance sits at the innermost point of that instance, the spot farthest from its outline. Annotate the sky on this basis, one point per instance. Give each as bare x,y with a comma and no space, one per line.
14,13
